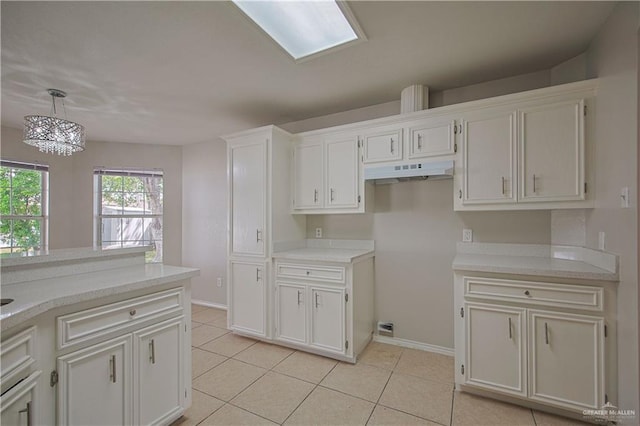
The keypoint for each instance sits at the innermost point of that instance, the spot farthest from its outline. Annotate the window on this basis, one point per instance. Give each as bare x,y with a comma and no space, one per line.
128,207
23,207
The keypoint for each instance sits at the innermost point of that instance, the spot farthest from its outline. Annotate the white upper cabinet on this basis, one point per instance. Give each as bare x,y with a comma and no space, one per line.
551,147
342,173
248,181
382,145
431,138
309,176
260,176
488,156
327,175
525,151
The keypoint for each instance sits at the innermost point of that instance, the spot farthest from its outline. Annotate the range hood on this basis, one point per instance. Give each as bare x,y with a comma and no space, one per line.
409,171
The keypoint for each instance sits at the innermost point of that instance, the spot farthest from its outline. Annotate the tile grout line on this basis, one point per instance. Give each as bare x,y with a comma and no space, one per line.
316,385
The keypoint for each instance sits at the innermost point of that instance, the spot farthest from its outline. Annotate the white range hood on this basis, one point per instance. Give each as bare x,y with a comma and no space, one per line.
409,171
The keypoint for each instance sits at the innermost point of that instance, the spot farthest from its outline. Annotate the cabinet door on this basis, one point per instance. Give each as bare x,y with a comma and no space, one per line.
247,296
328,319
432,138
291,312
308,176
566,361
342,173
18,403
382,146
100,373
488,155
158,353
552,152
495,344
248,174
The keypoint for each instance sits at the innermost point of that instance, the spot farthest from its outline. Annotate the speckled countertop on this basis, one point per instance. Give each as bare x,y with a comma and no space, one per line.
33,298
326,250
537,260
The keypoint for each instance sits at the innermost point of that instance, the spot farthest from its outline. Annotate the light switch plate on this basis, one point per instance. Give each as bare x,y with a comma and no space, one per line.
467,235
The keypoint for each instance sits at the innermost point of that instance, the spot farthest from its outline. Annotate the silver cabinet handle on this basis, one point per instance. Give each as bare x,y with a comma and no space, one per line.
534,184
502,177
112,368
510,335
258,277
527,293
316,299
299,294
419,141
391,145
315,195
258,235
332,191
152,351
28,411
546,333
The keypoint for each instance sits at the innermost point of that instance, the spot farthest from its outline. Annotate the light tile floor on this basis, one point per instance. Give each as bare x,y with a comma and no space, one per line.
241,381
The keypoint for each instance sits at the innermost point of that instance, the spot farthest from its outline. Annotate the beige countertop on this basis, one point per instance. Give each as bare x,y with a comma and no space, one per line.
537,260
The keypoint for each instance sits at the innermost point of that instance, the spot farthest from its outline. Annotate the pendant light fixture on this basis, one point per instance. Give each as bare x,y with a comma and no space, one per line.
53,134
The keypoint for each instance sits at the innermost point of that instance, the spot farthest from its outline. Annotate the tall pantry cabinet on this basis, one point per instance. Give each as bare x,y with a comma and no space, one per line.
259,166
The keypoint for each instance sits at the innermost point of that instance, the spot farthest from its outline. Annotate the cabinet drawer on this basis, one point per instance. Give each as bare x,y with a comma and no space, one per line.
535,293
85,325
17,356
311,272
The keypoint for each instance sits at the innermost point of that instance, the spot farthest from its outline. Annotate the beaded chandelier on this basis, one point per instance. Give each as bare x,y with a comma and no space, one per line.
53,134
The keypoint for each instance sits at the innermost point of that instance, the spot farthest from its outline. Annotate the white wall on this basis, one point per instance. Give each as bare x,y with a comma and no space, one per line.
204,218
71,186
613,58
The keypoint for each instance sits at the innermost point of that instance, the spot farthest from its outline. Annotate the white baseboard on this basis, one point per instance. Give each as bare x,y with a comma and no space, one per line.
208,304
413,345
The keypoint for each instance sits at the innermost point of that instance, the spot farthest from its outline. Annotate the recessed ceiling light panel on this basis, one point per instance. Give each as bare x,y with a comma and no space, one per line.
303,28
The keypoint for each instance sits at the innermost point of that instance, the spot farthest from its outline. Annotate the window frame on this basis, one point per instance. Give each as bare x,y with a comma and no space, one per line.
99,216
43,218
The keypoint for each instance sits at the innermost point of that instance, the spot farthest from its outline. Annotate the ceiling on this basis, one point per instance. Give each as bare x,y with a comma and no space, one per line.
185,72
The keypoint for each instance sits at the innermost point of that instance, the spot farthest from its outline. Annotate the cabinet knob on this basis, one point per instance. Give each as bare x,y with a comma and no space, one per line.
526,292
308,272
132,312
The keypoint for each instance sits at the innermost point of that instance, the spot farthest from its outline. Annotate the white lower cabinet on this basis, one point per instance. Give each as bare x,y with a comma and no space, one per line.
247,296
566,362
327,318
324,307
529,340
18,403
496,348
291,312
158,382
95,385
139,377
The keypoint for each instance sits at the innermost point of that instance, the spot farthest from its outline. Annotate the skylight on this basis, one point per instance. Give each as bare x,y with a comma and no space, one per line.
302,28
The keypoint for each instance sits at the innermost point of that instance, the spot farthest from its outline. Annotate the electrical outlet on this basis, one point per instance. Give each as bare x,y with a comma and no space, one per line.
601,240
219,282
467,235
318,232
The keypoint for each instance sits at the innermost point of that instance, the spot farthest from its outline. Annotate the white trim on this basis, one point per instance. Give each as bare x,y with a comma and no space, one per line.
208,304
413,345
